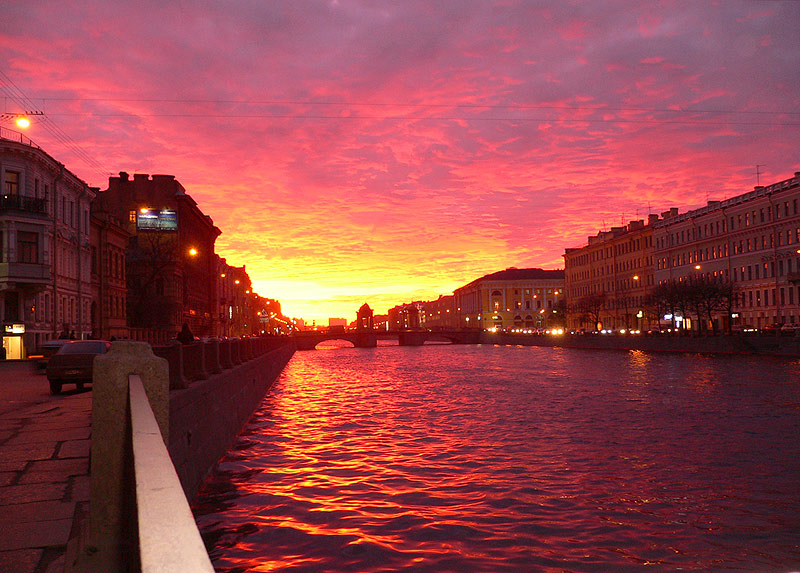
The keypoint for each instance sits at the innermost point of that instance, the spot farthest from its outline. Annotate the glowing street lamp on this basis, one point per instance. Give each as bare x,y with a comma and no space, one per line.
193,252
21,120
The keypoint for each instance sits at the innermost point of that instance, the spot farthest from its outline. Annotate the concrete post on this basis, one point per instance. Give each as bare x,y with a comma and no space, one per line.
236,356
111,540
173,352
193,365
225,354
211,356
245,349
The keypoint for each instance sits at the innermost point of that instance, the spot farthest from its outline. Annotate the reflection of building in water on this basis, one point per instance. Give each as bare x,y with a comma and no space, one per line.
45,281
513,298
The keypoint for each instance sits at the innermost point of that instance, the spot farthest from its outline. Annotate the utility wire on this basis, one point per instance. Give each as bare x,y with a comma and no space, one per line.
434,118
16,95
423,105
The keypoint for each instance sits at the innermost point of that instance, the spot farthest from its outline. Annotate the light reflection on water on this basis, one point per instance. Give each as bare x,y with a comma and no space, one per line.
483,458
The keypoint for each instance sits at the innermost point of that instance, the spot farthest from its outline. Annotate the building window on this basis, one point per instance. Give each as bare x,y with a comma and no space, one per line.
28,247
12,183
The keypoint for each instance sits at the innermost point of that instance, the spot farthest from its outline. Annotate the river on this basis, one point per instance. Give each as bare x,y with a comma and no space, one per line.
505,458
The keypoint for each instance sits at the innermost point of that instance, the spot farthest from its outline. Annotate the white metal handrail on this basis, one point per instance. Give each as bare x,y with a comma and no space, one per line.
169,540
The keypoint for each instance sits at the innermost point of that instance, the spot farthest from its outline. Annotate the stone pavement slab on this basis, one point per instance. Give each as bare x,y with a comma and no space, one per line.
20,559
44,469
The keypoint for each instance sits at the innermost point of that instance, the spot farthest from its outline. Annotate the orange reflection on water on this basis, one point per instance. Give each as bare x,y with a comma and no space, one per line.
500,459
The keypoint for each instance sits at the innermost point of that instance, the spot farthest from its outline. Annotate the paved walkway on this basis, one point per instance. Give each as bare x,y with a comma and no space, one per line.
44,469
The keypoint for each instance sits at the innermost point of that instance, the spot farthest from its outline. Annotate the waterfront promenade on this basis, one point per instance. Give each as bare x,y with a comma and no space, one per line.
44,468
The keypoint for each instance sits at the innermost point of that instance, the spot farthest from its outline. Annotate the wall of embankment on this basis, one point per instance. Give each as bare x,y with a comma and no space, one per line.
206,417
737,344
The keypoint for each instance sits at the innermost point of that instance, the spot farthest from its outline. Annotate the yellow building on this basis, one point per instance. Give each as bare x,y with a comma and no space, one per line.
513,298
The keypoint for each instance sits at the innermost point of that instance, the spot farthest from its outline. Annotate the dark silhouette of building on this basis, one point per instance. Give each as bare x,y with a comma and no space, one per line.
364,318
109,241
170,264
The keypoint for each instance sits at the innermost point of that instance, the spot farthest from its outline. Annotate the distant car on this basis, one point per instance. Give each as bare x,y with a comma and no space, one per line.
790,329
73,363
45,351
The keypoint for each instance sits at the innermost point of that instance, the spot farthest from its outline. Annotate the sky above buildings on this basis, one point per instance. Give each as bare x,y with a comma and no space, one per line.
393,151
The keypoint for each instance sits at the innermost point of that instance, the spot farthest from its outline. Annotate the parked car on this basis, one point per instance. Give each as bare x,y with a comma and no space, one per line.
790,329
45,351
74,362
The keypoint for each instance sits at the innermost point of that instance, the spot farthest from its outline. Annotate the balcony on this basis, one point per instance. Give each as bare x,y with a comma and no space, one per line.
793,278
23,274
23,204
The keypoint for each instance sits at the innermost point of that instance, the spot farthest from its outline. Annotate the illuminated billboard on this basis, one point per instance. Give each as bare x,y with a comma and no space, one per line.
156,220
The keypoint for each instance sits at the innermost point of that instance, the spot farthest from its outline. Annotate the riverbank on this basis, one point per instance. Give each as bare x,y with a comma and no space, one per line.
722,344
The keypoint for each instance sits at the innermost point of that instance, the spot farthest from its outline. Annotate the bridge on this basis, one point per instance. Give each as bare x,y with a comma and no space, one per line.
308,340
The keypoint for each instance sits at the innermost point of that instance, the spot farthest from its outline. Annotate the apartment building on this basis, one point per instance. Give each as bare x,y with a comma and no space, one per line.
170,262
45,279
608,279
751,240
109,241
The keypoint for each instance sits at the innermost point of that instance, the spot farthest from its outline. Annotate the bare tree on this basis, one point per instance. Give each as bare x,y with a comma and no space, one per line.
591,306
150,270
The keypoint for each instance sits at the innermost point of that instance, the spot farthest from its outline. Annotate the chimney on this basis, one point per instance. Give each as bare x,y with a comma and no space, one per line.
652,219
123,176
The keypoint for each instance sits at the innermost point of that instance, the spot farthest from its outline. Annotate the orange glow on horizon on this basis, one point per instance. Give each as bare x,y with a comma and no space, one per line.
342,170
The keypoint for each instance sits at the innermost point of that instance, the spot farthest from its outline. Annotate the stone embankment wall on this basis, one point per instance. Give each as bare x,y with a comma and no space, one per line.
206,416
737,344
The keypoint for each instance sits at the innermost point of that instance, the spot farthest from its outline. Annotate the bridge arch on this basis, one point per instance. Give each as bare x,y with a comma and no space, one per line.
330,343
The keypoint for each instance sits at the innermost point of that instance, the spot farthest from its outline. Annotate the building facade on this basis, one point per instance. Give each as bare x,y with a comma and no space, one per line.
109,241
607,281
439,314
406,316
751,241
170,262
513,298
45,279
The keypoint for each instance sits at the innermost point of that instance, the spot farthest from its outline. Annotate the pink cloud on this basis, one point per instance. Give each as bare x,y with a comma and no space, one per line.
382,151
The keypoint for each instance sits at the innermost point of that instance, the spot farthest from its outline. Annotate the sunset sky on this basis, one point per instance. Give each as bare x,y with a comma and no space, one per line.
392,151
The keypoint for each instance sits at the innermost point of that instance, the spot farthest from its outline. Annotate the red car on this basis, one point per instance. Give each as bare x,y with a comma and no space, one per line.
73,363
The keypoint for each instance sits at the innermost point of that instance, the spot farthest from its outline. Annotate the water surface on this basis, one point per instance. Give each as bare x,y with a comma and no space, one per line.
484,458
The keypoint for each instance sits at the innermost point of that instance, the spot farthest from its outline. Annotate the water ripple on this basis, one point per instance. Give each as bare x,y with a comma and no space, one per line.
476,458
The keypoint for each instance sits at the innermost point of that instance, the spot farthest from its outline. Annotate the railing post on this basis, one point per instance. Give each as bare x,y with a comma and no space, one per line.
193,364
111,535
236,355
173,352
211,356
225,354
